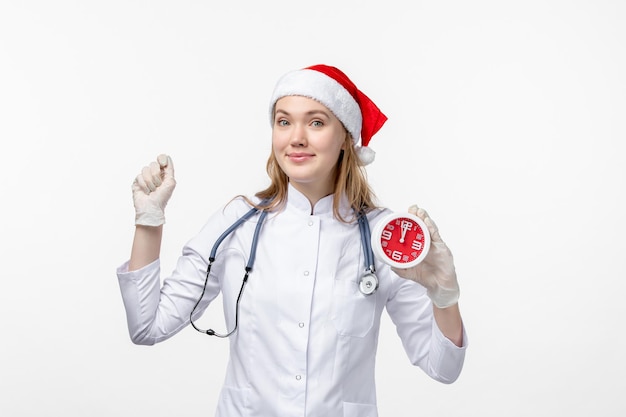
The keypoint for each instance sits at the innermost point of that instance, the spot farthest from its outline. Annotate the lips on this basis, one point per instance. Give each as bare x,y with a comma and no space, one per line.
299,156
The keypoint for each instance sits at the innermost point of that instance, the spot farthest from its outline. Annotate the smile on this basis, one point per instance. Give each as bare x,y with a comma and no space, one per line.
299,157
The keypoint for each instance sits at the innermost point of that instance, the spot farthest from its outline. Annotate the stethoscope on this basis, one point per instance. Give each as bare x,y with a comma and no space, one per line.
368,283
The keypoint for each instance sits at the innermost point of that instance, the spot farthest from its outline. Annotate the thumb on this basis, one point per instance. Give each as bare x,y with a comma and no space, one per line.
166,164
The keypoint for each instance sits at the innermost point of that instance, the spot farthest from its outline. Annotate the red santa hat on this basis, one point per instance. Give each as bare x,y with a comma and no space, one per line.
331,87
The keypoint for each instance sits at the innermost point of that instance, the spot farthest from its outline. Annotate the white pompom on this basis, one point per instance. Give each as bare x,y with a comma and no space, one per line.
366,154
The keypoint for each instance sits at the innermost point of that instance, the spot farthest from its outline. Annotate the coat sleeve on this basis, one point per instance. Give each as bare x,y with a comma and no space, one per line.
156,312
411,311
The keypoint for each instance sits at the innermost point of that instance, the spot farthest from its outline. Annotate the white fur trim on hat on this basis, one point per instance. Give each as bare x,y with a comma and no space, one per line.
320,87
366,154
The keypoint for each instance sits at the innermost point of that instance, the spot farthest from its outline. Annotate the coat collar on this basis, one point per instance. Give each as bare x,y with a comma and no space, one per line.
324,207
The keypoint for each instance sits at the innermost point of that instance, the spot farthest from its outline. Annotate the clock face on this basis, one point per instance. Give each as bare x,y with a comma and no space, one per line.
401,240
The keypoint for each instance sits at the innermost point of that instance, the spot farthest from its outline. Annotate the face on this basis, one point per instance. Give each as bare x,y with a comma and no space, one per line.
307,140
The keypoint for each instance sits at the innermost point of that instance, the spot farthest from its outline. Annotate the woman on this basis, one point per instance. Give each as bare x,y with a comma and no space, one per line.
302,337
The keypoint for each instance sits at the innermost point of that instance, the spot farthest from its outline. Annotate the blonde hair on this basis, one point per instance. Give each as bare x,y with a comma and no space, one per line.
350,180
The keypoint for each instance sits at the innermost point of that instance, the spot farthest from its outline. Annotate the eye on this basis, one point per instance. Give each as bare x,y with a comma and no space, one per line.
317,123
282,122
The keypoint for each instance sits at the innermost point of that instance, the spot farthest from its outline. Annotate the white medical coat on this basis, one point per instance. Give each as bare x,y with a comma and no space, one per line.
307,337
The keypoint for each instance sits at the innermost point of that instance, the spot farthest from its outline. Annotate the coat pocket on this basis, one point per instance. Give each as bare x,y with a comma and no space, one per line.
233,402
352,312
359,410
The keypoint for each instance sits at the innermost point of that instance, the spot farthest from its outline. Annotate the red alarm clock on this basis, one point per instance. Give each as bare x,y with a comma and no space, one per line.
401,240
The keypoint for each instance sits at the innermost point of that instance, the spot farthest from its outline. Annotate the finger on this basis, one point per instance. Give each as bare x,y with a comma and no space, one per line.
155,171
168,167
430,224
432,229
162,160
140,184
418,211
146,175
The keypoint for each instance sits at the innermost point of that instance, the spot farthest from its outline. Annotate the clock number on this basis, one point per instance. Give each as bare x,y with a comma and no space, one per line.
400,240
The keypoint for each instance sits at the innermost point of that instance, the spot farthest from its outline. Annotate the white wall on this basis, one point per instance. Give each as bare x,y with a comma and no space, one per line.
506,118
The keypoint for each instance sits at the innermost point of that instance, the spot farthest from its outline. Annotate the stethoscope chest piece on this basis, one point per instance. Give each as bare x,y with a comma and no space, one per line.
368,284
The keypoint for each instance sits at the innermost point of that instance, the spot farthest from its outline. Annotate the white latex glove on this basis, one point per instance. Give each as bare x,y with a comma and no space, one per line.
436,272
152,189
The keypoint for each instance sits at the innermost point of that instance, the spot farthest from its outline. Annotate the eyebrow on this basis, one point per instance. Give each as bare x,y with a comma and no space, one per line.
309,113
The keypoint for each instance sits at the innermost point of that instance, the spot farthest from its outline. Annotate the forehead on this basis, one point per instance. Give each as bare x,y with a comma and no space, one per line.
300,103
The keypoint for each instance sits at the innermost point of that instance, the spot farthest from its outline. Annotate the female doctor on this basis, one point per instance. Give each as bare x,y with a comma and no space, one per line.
302,336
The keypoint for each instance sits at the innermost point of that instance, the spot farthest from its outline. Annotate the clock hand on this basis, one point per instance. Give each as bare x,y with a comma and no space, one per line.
405,226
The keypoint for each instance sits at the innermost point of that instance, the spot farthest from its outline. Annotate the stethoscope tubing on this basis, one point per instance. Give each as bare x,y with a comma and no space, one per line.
248,268
365,233
228,231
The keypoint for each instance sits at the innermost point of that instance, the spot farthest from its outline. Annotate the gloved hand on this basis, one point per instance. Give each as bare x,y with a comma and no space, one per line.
152,189
436,272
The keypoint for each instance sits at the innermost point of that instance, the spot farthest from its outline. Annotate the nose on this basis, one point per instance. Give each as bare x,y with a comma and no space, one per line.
298,135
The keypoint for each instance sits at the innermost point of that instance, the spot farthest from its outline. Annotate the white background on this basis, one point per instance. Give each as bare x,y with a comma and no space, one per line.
506,122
